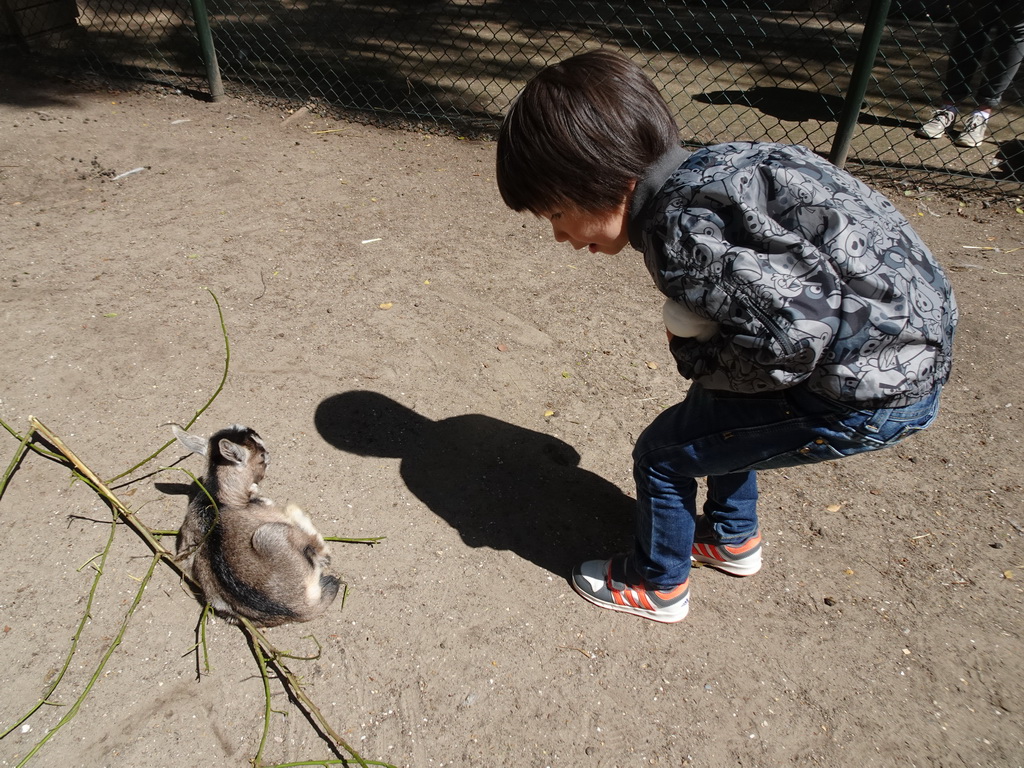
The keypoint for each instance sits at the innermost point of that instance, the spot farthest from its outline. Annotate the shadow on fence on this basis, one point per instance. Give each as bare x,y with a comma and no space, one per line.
731,71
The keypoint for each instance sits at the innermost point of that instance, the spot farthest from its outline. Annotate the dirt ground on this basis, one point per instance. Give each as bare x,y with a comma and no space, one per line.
429,367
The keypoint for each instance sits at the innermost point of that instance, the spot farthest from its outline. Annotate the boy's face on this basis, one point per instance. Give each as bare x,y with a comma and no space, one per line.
598,232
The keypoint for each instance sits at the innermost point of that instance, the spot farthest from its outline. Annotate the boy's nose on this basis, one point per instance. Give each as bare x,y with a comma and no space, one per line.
563,237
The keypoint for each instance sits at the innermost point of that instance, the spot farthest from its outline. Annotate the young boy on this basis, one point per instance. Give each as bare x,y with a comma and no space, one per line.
834,322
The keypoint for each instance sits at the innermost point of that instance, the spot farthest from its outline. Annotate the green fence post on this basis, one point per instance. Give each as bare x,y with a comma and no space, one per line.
866,53
202,21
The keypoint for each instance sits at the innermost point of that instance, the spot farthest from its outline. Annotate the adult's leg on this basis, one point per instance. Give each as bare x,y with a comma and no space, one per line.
970,42
1007,55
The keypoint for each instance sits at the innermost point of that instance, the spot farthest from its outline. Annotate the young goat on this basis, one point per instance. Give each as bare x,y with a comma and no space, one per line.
250,557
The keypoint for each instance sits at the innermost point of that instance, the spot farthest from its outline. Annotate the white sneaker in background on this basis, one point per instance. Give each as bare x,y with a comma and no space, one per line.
940,122
973,133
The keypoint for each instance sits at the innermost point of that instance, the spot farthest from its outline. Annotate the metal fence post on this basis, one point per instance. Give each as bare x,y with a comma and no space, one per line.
866,53
202,21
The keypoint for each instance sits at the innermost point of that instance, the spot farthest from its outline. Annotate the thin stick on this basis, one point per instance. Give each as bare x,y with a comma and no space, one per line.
265,732
223,378
74,640
15,462
319,651
41,451
344,540
103,663
201,649
100,487
271,654
294,687
339,761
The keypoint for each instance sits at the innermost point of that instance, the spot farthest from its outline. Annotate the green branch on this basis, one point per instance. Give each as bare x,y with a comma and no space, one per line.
266,654
223,379
16,460
99,669
77,636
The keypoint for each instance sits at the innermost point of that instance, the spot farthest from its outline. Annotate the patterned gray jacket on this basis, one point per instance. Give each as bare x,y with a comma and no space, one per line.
812,276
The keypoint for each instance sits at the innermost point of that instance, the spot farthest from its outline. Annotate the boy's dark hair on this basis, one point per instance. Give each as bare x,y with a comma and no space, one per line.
580,133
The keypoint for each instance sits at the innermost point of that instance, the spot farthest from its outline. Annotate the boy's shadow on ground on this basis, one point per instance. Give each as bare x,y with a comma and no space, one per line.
499,485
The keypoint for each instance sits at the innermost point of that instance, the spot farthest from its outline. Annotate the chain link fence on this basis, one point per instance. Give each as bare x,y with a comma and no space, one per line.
731,69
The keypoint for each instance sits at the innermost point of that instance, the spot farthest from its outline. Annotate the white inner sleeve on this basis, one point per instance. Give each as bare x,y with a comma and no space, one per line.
682,322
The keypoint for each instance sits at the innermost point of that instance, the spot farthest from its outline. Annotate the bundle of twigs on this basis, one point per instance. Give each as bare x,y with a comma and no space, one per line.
41,441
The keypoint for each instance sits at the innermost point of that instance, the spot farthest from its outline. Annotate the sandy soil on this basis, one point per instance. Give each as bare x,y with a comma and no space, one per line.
427,366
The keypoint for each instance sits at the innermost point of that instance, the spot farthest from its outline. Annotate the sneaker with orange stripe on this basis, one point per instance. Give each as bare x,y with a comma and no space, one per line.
742,559
608,584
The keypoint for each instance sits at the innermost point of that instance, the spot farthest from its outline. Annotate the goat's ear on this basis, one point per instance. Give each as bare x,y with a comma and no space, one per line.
233,452
193,443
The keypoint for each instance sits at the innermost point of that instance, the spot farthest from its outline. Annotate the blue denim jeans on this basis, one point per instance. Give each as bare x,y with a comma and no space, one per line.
726,437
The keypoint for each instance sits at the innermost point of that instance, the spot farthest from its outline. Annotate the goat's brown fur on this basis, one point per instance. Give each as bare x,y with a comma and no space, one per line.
249,556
